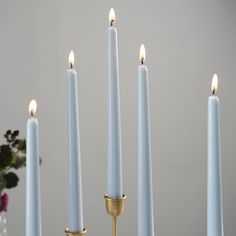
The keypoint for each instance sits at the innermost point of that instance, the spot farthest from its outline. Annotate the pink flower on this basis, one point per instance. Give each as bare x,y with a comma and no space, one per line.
3,202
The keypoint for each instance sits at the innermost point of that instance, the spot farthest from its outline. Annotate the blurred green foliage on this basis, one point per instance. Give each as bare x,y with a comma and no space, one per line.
12,157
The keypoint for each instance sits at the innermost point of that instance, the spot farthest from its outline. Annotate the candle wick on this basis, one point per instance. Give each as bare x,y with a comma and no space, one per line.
31,113
142,61
71,65
112,21
213,92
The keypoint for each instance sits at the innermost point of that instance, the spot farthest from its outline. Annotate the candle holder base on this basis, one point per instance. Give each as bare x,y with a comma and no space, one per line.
114,207
81,233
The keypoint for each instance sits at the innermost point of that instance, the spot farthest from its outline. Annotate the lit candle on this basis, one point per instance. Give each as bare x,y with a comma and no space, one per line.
33,202
114,167
214,195
75,221
145,194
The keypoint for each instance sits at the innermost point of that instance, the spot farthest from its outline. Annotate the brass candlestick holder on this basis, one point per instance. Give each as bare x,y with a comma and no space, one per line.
81,233
115,207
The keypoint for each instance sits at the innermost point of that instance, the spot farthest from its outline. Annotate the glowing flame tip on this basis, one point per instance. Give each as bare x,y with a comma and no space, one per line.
71,59
214,83
112,15
32,107
142,53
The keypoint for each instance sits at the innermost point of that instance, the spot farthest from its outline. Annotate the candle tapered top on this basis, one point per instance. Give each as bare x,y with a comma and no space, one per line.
71,59
214,84
142,54
112,16
32,107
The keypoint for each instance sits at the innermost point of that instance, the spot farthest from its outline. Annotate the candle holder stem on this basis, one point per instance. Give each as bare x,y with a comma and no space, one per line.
114,226
115,207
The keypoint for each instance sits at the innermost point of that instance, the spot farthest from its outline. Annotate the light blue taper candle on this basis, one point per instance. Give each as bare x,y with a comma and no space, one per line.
75,221
145,194
114,165
33,201
214,191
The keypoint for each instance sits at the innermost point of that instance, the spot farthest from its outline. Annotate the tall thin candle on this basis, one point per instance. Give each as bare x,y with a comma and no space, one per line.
114,166
145,194
214,193
33,201
76,223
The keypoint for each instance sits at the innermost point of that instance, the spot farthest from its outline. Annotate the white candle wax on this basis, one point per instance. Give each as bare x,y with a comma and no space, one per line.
214,193
114,166
75,221
33,204
145,194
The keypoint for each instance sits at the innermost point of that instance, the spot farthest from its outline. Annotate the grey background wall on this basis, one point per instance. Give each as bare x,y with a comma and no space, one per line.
186,42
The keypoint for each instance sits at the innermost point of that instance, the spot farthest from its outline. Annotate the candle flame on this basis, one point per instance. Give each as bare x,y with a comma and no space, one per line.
112,15
32,107
71,59
214,83
142,53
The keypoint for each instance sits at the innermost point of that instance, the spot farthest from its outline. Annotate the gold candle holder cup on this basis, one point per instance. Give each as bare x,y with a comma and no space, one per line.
80,233
115,207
